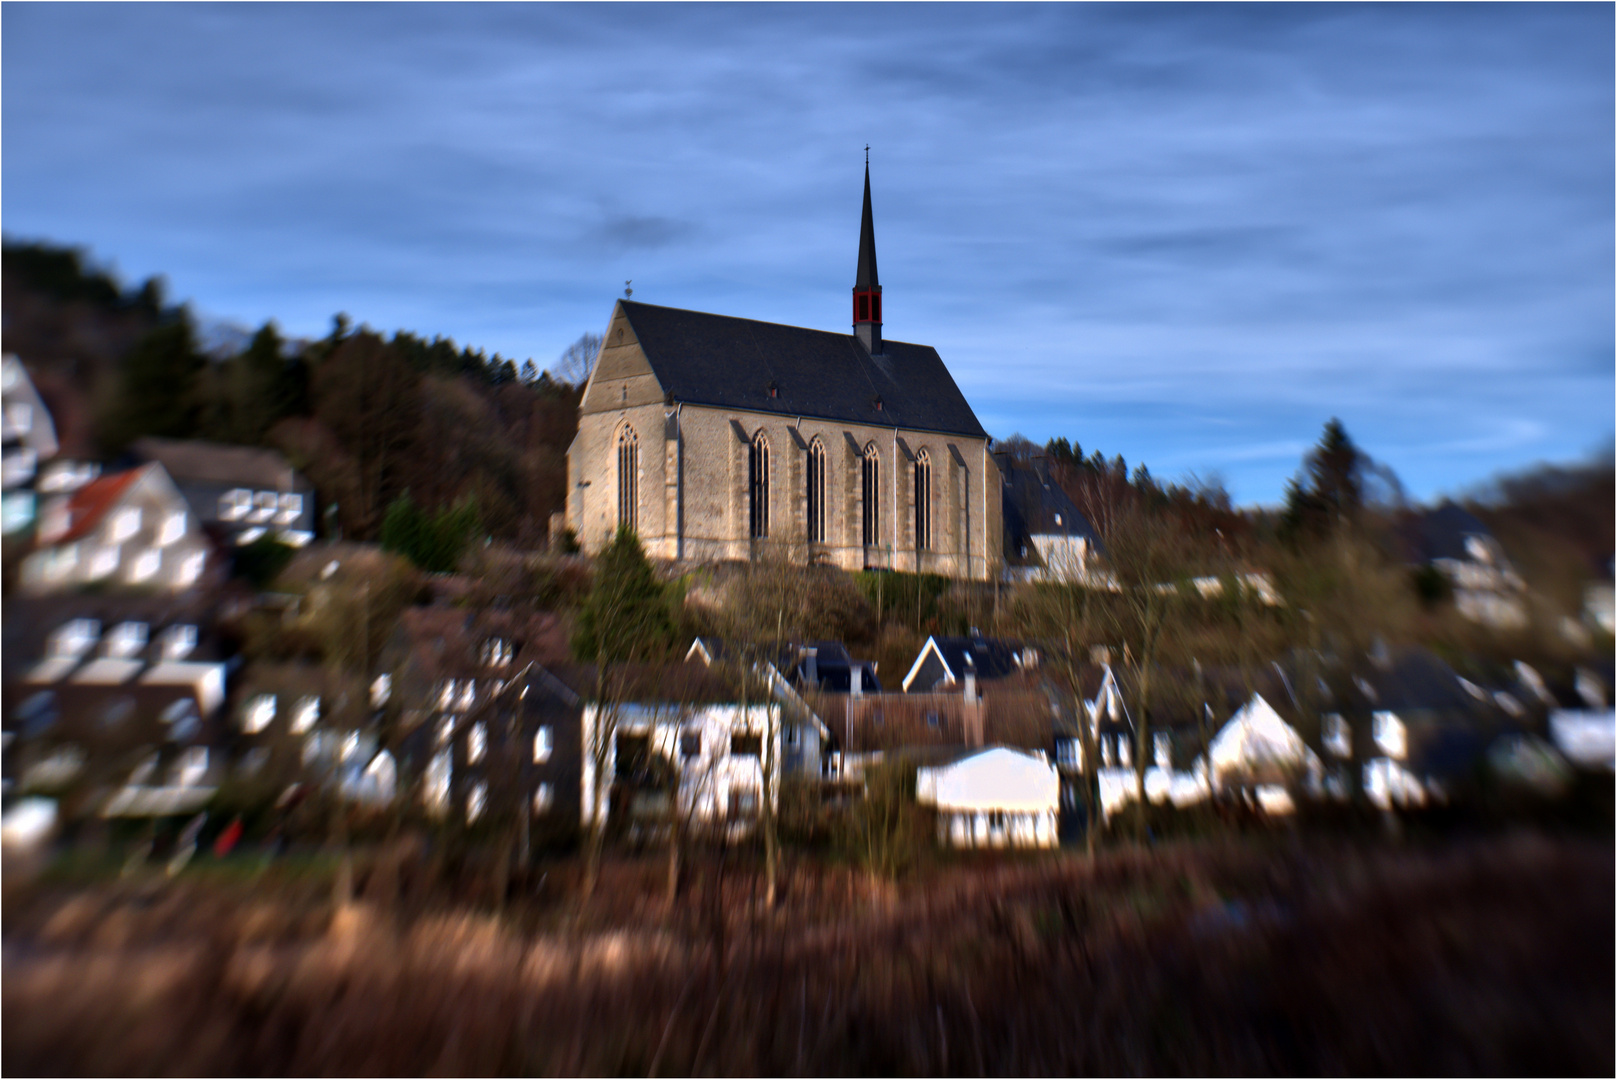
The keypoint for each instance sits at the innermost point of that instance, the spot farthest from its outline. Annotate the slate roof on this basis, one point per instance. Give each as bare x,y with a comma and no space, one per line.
210,462
727,362
987,658
1443,532
1035,505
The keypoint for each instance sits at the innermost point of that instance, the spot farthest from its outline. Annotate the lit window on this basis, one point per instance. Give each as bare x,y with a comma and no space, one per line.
192,766
145,566
1388,732
126,639
264,506
305,714
104,562
260,711
476,799
542,745
173,528
436,789
1336,736
74,638
125,523
543,799
179,641
234,504
476,742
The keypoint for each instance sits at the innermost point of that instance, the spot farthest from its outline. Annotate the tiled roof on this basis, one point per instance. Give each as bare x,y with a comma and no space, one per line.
91,502
733,363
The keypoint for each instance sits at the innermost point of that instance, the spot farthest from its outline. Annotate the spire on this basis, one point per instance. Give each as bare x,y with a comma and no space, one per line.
866,284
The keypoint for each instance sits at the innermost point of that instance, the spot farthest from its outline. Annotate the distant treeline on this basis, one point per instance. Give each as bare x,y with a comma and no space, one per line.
366,417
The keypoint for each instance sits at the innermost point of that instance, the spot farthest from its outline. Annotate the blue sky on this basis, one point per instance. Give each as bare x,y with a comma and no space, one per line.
1189,235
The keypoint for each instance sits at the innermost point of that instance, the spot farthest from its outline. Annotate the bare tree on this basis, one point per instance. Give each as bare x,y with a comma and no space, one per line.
578,360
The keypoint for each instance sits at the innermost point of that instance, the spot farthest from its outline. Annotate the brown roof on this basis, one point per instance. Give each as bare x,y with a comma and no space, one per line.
193,459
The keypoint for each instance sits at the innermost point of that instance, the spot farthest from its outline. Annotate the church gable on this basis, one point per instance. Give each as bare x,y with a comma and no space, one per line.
622,377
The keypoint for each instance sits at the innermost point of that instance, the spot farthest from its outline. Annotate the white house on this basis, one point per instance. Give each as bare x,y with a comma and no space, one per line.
715,754
996,797
1257,748
131,528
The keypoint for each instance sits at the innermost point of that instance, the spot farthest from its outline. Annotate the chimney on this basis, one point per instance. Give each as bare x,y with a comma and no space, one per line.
972,710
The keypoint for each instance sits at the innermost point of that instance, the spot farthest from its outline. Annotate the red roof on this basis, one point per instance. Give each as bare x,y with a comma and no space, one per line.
91,502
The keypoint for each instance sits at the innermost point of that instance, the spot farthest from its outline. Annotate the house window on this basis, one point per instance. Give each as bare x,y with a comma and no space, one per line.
1161,750
125,523
436,790
1125,755
1336,736
794,735
1069,753
476,800
381,690
191,767
744,802
745,745
145,566
234,504
816,492
305,714
173,528
1388,732
468,694
934,719
191,568
923,501
265,503
996,820
179,641
291,509
476,742
126,639
628,480
543,798
758,488
446,694
260,711
690,744
870,491
542,745
103,562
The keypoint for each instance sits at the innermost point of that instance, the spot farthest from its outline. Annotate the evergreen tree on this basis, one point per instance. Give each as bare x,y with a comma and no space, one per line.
626,617
159,391
1329,492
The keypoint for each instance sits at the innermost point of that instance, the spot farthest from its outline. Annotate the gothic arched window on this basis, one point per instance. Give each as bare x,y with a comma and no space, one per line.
923,501
758,487
628,480
816,492
870,488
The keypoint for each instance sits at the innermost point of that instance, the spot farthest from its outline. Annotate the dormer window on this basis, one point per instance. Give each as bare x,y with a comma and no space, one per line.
126,639
234,504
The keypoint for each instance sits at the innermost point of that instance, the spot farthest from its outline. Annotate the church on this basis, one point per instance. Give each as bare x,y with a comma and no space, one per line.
717,438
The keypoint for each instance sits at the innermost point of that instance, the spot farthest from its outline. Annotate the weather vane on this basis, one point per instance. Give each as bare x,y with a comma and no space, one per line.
867,153
628,292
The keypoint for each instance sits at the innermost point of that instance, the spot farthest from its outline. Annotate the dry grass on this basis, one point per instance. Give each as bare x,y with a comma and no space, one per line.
1235,957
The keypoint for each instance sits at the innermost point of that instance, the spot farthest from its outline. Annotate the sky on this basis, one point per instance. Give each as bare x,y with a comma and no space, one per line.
1189,235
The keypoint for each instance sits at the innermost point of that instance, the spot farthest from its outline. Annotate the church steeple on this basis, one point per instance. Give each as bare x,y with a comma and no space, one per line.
866,285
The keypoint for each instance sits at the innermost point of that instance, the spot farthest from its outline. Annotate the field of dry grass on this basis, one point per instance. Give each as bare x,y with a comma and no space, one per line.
1272,956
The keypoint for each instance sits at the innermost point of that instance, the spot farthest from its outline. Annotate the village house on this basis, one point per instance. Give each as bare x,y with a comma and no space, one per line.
1047,538
1487,589
130,530
720,438
993,797
240,492
27,442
